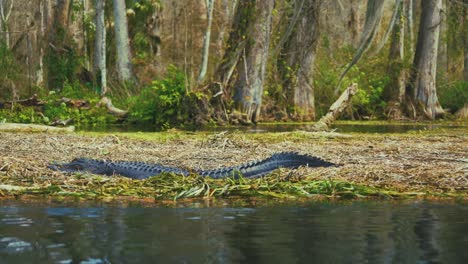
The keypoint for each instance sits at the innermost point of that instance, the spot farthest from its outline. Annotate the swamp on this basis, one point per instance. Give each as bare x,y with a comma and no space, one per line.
332,131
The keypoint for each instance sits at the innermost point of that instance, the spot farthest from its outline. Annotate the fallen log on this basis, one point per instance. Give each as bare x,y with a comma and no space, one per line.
335,109
61,123
16,127
32,101
107,102
75,103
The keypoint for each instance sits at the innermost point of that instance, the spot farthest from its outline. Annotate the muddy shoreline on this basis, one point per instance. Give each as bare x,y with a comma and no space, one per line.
431,163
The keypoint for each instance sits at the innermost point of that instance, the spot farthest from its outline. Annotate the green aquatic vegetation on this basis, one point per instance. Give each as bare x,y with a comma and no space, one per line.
168,186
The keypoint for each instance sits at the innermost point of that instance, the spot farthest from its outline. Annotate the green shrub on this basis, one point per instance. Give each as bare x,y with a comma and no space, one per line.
454,96
20,114
160,104
61,60
54,108
370,74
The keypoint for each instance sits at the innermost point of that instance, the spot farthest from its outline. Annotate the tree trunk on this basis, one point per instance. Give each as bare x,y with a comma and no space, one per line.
40,37
394,92
354,22
206,41
59,54
410,15
124,65
100,71
228,7
246,55
85,41
422,89
442,60
296,62
62,11
5,12
465,42
252,65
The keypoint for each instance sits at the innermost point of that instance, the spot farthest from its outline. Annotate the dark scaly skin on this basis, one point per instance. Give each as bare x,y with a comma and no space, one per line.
142,170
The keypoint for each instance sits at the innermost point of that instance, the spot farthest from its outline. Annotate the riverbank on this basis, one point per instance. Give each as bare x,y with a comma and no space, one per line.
420,164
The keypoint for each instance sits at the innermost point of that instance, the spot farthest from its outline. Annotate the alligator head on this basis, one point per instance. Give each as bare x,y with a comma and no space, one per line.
82,165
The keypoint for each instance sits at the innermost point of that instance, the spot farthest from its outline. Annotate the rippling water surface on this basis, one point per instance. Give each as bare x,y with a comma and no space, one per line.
319,232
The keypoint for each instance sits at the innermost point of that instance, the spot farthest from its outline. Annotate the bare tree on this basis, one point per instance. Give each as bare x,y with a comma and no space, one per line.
252,65
62,12
6,6
421,92
394,92
99,68
246,55
410,12
465,33
395,16
228,7
58,48
206,41
40,36
354,23
124,65
297,58
442,57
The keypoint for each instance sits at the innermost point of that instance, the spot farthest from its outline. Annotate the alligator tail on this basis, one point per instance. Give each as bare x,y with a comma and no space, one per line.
254,169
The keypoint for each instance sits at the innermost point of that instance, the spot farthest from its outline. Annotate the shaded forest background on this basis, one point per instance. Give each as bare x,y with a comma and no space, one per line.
173,62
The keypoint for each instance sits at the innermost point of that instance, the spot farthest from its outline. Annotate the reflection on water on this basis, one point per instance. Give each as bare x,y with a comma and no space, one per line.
359,232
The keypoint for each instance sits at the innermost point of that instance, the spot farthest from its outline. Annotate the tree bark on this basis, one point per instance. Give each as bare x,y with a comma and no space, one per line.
5,12
465,42
61,12
335,109
124,65
58,47
296,62
228,7
442,57
410,15
100,70
40,36
394,92
245,59
252,65
354,22
206,41
422,88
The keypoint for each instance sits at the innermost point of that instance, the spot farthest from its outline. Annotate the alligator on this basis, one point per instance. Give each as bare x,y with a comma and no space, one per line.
142,170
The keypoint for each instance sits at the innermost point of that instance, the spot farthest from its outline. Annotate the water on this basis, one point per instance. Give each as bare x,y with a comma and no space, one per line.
364,127
319,232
